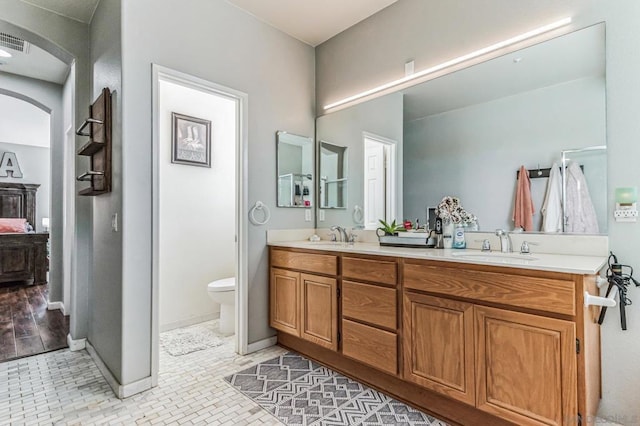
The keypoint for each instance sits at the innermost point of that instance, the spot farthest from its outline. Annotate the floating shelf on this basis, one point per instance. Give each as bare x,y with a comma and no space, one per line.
98,148
90,148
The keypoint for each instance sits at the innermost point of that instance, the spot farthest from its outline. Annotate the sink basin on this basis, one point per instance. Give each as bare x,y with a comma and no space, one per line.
491,256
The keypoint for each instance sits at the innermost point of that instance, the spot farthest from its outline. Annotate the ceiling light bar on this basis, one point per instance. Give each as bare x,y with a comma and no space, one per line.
456,61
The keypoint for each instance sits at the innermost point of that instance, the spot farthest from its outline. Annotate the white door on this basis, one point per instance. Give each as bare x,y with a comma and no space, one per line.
374,183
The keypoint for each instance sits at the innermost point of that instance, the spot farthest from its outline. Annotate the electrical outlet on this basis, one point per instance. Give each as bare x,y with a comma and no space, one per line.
321,215
307,215
625,215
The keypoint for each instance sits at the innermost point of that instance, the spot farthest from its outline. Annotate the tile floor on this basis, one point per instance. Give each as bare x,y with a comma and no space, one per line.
27,327
66,388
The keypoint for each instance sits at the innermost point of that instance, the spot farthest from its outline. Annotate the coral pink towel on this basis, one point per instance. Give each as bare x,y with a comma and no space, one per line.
523,210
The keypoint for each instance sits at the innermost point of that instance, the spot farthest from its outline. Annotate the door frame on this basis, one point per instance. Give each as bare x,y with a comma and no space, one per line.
241,226
391,180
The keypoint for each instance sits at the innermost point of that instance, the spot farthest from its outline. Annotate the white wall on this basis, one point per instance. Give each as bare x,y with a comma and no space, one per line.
431,31
382,117
106,313
24,123
227,46
197,209
474,152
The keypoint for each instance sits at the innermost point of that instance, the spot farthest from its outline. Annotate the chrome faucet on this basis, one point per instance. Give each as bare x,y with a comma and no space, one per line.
342,232
505,241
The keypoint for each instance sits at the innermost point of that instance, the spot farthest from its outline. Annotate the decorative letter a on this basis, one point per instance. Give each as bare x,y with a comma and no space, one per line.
9,164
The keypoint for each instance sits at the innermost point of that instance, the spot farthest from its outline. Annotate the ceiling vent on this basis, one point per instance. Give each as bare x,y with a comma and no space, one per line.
13,42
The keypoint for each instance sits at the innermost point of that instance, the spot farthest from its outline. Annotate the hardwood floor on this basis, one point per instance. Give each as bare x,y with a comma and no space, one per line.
26,326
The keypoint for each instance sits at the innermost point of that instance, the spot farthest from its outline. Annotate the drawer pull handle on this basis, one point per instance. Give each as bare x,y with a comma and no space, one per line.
88,121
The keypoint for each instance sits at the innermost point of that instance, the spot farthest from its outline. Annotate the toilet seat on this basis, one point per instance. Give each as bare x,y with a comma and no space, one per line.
225,284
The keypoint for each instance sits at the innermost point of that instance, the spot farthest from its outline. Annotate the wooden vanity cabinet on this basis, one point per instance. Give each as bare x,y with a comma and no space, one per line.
304,304
471,344
469,334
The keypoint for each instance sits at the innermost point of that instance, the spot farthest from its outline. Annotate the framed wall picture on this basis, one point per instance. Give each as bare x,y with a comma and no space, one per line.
190,140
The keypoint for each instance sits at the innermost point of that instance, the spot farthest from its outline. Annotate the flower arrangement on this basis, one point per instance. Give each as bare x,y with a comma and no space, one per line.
450,209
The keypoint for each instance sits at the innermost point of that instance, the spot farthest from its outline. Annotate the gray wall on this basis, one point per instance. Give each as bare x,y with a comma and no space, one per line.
473,153
228,47
431,31
105,289
50,96
382,117
68,40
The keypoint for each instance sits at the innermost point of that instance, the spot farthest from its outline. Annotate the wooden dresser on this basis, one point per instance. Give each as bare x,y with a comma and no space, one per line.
471,344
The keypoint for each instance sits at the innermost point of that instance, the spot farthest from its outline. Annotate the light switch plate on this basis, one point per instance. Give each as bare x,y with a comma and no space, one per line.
321,215
114,222
307,215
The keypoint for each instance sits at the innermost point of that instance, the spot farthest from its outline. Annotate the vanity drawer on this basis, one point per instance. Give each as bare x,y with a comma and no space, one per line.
374,347
531,292
369,303
378,271
319,263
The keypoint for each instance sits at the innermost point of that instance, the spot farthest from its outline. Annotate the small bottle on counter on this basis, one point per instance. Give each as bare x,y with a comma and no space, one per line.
459,241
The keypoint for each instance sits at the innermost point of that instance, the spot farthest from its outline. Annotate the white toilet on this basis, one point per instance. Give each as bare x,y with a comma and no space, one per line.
224,292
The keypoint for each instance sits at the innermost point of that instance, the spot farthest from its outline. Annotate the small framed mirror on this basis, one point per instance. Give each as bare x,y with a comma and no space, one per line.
294,170
333,176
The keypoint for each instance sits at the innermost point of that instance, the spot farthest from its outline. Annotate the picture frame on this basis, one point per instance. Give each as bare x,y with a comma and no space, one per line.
190,140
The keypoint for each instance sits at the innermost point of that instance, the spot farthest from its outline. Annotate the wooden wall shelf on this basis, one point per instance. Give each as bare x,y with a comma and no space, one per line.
98,148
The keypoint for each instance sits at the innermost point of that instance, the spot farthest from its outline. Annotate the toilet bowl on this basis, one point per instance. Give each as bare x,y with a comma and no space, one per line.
224,292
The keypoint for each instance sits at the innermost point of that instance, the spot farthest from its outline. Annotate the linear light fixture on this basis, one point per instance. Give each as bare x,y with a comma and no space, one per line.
513,40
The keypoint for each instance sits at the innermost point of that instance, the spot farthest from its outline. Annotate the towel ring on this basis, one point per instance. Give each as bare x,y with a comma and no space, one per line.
265,211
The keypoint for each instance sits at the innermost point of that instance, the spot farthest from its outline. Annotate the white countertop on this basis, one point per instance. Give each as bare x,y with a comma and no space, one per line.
583,265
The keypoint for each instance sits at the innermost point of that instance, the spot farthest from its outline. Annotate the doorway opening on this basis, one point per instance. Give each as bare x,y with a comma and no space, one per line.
199,235
379,179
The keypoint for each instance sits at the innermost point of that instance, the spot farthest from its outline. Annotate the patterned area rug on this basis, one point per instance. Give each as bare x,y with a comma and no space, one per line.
298,391
182,341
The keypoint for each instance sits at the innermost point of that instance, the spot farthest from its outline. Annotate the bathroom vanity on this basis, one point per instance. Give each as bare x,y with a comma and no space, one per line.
471,337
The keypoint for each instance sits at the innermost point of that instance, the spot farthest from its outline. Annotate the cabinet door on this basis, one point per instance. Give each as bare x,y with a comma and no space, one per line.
284,301
319,302
526,367
438,345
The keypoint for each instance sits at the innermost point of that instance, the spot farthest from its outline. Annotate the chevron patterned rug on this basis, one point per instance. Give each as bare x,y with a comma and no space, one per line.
298,391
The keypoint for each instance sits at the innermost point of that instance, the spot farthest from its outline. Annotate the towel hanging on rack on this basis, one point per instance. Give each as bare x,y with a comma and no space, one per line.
523,209
580,213
552,206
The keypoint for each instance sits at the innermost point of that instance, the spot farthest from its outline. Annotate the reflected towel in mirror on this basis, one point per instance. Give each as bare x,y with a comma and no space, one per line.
523,209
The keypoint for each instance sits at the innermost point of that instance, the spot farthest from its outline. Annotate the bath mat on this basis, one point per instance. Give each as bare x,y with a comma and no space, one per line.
298,391
182,341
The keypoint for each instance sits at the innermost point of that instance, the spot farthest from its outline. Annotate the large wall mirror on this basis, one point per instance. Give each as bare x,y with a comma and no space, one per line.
467,133
333,178
295,170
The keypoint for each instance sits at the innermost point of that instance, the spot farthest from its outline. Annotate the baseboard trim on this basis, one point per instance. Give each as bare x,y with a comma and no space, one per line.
76,344
121,391
189,321
52,306
261,344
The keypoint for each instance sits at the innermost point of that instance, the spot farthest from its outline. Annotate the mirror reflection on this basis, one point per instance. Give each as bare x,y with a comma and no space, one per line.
294,169
466,134
333,176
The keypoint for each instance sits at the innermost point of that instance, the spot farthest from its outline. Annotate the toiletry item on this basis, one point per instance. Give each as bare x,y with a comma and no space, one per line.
447,234
407,224
439,239
459,241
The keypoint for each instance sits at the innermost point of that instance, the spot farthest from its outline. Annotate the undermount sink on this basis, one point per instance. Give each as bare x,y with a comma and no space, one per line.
495,256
